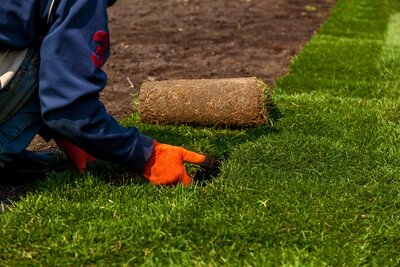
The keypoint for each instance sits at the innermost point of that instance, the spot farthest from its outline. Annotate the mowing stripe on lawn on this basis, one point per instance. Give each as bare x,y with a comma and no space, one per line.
390,59
393,31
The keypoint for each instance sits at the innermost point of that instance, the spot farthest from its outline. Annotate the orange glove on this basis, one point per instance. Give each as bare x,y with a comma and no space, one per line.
166,165
79,157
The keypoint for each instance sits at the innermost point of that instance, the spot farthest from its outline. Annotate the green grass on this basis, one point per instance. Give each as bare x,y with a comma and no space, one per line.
318,186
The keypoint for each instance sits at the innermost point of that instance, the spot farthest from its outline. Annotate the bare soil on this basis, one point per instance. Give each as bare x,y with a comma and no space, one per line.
186,39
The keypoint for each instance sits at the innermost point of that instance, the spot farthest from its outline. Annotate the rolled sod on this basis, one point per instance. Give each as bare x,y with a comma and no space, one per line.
229,102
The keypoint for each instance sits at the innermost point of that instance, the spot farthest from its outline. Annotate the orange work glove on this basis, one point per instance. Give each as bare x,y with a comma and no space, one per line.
79,157
166,165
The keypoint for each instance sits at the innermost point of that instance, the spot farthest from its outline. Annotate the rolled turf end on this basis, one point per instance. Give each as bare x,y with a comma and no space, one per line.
233,102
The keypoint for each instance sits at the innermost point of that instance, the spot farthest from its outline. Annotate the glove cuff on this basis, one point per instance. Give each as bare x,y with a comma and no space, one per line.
151,161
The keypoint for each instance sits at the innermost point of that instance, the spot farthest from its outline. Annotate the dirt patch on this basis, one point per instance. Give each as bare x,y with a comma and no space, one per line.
186,39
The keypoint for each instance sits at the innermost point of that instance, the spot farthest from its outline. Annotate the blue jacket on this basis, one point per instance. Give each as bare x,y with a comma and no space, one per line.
74,47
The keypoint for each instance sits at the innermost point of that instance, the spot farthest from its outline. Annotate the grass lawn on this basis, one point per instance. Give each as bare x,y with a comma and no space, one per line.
320,185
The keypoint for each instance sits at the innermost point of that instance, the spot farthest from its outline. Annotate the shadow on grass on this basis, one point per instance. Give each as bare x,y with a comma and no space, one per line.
116,174
216,142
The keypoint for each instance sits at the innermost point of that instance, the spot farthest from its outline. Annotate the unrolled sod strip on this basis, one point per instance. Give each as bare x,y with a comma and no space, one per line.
229,102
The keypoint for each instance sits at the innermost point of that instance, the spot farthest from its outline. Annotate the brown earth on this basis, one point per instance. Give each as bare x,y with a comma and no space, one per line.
185,39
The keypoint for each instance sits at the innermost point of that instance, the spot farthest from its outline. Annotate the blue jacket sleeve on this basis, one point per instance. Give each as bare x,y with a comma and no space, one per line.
72,54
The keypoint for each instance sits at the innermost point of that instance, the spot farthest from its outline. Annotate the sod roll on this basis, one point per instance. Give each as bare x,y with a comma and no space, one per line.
229,102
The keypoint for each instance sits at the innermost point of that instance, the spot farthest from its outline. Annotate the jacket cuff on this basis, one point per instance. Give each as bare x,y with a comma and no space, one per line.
111,2
147,146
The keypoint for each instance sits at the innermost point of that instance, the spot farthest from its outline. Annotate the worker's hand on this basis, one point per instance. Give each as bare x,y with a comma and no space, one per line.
79,157
166,165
